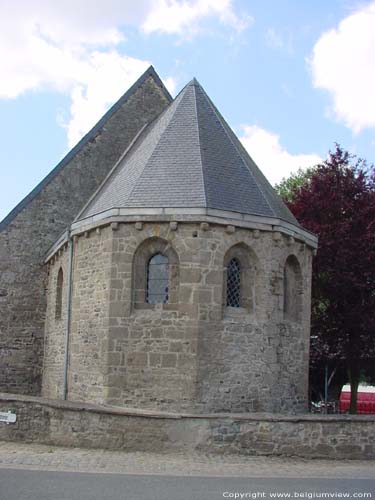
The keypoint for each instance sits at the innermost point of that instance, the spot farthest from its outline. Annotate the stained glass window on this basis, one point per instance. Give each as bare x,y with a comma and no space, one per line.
157,280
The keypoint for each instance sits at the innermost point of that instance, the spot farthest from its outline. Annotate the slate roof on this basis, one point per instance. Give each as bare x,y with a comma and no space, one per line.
188,158
85,140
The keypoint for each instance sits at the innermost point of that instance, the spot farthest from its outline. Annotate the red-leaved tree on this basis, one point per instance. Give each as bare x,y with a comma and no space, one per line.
337,202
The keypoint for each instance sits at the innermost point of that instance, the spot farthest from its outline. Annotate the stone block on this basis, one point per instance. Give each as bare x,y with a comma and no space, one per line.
156,332
117,284
175,346
116,309
113,358
169,360
136,359
190,275
214,277
202,296
188,310
119,332
154,359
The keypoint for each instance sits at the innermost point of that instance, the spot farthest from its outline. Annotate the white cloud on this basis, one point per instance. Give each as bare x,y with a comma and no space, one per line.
92,98
182,17
72,47
274,161
274,39
343,62
171,83
278,41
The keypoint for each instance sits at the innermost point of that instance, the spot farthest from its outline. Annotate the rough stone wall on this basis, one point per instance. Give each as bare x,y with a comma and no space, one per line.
195,355
25,239
88,356
71,424
292,351
156,346
88,338
254,360
55,330
119,355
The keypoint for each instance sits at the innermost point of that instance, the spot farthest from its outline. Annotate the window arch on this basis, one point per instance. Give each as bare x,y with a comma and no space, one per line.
292,306
157,291
241,280
155,274
234,283
59,293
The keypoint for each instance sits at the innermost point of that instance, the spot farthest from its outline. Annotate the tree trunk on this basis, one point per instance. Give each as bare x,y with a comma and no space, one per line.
353,373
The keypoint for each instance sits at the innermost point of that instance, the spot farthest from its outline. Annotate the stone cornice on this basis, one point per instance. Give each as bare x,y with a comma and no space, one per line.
184,215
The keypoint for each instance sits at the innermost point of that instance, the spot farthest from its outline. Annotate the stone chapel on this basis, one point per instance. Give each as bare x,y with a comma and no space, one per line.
155,267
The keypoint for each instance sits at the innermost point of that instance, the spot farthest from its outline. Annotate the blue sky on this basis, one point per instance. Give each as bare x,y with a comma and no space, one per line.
290,77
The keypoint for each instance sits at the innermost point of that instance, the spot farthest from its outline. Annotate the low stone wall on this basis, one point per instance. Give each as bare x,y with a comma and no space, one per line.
67,423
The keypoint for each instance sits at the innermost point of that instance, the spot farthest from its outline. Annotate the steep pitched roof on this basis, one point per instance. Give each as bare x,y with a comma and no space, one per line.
189,158
85,140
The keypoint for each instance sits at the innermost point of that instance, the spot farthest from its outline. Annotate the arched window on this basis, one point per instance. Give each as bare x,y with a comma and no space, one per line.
157,291
59,293
292,289
234,283
242,282
155,275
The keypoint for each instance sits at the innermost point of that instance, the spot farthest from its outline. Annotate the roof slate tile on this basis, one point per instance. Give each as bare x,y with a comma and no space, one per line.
189,157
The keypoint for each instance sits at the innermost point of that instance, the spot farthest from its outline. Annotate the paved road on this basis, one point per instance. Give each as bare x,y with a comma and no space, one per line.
53,458
41,472
43,485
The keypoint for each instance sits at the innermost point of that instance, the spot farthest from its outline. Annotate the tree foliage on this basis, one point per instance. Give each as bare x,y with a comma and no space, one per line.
290,185
336,201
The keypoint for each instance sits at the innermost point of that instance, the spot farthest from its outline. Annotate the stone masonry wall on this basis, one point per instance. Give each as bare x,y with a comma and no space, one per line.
253,360
88,356
117,354
195,354
54,340
71,424
26,238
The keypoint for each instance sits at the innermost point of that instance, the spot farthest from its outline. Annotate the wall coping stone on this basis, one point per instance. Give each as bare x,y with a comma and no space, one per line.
116,410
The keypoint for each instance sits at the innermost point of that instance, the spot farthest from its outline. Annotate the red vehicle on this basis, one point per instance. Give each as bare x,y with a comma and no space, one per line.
365,399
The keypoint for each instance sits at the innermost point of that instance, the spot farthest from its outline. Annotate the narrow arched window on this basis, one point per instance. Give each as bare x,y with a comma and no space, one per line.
234,283
59,293
292,289
157,280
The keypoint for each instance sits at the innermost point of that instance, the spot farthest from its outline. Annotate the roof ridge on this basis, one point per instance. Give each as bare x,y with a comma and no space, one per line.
221,120
199,141
151,72
161,135
83,141
256,173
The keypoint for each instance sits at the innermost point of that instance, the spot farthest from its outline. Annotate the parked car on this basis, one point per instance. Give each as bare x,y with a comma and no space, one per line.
365,399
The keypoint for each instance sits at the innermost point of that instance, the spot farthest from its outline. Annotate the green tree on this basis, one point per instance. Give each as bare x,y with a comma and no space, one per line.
288,186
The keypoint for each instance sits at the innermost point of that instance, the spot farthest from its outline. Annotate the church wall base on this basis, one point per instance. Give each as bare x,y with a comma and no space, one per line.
64,423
